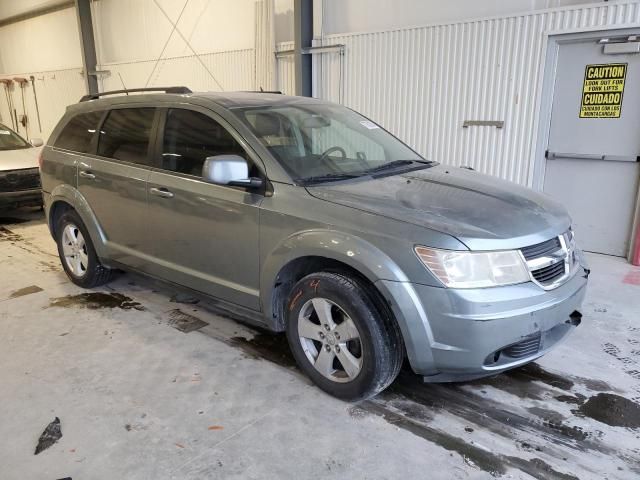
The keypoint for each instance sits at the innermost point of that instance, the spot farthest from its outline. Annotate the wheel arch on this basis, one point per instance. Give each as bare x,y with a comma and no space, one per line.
321,250
64,198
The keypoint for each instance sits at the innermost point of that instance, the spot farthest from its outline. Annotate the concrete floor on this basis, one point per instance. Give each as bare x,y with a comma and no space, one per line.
140,399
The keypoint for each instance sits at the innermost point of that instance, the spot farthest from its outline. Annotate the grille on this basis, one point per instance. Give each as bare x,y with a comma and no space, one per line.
549,274
527,347
17,180
541,249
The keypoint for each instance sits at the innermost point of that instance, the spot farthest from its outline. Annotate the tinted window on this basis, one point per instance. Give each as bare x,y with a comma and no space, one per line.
77,135
190,137
125,134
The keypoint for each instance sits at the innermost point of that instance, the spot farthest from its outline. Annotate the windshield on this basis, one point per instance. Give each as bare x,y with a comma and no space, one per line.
316,142
9,140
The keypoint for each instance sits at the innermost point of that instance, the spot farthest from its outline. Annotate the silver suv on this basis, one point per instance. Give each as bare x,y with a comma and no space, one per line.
322,224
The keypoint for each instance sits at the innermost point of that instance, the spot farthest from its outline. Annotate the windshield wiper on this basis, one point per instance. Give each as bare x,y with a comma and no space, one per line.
396,164
329,177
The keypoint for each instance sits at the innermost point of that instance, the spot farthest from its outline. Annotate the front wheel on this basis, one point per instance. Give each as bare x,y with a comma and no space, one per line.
77,254
341,337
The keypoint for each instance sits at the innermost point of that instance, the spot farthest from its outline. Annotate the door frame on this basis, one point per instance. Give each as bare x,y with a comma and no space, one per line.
552,42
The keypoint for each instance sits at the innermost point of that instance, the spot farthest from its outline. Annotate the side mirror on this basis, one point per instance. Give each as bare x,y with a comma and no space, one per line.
37,142
231,170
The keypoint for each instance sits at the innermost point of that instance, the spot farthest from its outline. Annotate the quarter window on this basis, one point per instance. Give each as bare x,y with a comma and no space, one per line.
77,134
125,135
190,137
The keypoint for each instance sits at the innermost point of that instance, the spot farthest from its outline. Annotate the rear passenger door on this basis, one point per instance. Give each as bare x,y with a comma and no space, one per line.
114,182
205,236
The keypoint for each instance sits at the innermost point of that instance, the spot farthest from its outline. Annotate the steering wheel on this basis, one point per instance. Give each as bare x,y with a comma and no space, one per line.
329,151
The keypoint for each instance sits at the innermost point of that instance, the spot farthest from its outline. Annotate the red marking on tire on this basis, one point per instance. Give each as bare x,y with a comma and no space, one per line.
314,284
294,300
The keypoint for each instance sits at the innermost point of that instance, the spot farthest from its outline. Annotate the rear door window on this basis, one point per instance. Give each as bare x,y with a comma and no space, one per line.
77,134
190,137
125,135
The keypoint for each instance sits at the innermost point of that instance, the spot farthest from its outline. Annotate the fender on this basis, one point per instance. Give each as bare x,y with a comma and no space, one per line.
73,197
371,262
359,254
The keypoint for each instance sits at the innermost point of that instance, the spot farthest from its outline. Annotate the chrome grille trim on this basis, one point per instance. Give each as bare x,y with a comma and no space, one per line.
17,180
541,249
553,262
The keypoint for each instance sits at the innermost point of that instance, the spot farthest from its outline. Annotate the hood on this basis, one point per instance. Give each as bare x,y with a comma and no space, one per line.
19,159
483,212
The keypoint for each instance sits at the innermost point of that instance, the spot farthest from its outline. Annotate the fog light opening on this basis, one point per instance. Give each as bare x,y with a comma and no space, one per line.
575,318
492,358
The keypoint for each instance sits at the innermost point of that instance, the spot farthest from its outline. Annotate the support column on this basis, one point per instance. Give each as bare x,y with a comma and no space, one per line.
303,36
87,44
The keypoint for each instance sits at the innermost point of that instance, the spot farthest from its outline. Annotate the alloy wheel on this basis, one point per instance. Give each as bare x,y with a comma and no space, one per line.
74,249
330,340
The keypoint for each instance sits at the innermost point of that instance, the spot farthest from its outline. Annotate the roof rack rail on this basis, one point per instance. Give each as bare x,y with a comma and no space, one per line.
95,96
263,91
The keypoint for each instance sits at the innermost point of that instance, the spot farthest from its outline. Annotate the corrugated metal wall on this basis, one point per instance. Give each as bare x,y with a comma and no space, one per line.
264,46
55,89
234,70
422,83
285,70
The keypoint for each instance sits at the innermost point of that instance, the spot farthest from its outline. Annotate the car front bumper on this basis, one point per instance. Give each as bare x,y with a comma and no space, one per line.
21,197
457,335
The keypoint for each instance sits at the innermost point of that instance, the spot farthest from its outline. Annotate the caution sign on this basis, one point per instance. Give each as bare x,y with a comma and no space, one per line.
603,90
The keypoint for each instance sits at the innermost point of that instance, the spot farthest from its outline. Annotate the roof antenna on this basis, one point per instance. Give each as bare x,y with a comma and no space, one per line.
261,90
122,81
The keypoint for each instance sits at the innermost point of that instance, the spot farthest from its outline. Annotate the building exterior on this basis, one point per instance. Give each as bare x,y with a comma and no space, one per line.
494,85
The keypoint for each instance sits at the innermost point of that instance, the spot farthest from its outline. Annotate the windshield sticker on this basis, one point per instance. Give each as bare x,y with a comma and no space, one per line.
5,132
603,90
369,125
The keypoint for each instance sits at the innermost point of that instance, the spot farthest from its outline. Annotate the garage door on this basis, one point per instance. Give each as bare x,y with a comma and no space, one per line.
594,142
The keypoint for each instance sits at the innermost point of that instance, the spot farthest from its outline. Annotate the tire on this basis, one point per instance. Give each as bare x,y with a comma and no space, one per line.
80,262
325,345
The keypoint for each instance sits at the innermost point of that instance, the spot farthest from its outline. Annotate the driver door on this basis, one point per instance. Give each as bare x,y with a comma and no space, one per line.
205,236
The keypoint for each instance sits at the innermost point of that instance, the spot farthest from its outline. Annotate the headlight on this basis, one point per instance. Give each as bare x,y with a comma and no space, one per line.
474,269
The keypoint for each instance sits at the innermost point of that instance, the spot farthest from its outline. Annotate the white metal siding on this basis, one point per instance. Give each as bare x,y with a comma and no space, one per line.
265,46
234,70
422,83
285,70
56,89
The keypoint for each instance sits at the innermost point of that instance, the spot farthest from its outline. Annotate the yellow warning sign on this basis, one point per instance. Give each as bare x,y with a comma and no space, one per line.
603,90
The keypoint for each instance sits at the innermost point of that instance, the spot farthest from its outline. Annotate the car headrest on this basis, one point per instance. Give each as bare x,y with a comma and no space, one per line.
266,124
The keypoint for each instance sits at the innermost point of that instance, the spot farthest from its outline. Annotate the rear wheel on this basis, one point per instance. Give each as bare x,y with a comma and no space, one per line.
341,338
77,254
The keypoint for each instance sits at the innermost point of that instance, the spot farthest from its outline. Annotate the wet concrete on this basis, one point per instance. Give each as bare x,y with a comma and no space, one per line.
473,455
185,322
184,299
96,300
13,220
266,345
9,236
557,419
612,409
25,291
411,404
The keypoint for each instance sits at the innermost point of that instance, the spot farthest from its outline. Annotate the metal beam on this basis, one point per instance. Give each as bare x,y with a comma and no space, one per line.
337,48
303,35
37,12
87,45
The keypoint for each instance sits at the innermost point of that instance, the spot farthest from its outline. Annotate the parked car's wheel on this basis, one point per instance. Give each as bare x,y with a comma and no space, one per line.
341,338
77,254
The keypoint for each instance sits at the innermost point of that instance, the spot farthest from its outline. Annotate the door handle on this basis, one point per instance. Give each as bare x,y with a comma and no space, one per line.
589,156
161,192
86,174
